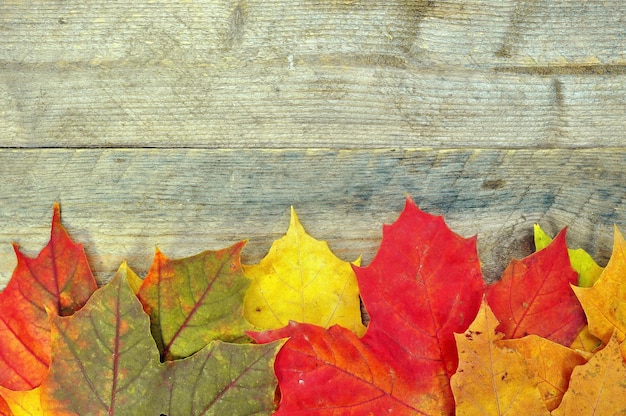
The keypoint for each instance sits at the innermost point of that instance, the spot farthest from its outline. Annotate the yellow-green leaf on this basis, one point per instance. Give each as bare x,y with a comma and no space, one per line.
103,358
598,387
587,269
300,279
491,380
605,302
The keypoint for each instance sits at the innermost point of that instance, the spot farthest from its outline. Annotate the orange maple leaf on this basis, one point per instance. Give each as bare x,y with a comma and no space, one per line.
59,280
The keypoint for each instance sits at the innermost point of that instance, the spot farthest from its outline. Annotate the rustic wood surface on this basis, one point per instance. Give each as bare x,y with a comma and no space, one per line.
120,203
193,124
329,73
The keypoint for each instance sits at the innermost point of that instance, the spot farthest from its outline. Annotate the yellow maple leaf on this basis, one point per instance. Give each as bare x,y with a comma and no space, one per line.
23,403
133,280
491,380
605,302
300,279
587,269
550,363
598,387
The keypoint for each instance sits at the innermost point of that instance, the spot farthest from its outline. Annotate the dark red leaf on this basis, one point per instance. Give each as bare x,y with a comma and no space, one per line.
534,296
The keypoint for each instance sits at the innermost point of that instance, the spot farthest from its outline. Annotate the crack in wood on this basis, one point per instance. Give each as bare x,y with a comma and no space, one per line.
569,69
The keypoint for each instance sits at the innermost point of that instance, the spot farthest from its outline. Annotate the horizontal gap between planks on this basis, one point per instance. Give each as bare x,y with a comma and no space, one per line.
321,148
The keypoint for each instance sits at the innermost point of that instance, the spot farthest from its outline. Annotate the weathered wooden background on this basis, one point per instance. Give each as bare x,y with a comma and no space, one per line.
193,124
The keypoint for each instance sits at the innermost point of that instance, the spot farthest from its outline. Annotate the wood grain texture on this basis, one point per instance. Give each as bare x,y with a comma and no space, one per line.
193,124
121,203
313,73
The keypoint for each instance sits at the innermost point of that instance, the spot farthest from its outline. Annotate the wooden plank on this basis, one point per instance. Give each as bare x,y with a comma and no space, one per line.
348,108
348,74
120,203
542,32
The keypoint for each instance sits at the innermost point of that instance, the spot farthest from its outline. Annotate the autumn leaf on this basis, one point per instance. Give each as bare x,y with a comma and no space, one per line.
5,410
423,285
326,371
133,279
587,269
534,296
195,300
104,361
491,380
549,362
300,279
588,272
597,387
585,341
175,343
60,280
221,379
23,402
605,302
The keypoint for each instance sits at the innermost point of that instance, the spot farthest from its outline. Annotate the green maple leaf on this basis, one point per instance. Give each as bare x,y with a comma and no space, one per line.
104,361
221,379
195,300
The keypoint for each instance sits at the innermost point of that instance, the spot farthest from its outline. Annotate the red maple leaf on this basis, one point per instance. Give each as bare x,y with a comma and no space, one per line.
59,280
534,296
424,285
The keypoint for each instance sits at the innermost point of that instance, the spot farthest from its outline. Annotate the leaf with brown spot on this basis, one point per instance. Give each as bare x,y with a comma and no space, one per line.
550,363
491,380
597,387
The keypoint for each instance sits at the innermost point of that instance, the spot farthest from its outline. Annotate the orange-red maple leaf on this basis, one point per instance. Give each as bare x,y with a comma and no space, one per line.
59,280
534,296
423,286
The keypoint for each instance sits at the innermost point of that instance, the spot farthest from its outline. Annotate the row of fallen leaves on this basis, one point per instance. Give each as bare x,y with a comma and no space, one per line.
205,335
